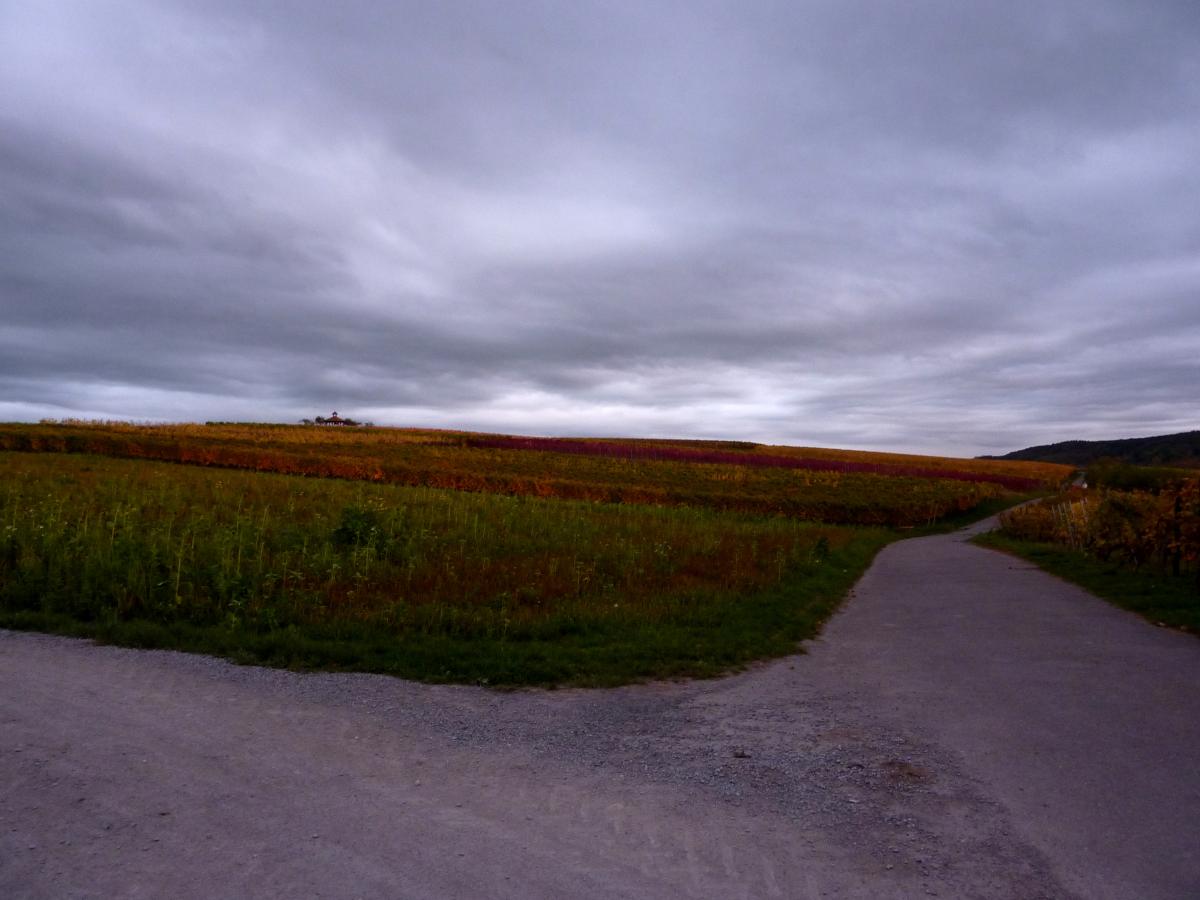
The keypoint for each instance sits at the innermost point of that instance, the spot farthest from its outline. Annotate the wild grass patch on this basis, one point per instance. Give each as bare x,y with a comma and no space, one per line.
427,583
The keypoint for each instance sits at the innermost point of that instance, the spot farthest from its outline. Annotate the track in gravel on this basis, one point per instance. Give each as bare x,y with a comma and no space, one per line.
965,727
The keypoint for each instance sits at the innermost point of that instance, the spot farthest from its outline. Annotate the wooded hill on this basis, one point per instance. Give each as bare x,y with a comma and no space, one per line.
1180,450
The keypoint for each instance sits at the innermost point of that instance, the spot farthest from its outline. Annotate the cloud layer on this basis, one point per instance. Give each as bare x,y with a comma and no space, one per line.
926,226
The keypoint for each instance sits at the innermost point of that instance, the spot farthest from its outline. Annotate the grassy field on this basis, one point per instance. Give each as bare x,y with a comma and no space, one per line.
668,566
422,582
1155,595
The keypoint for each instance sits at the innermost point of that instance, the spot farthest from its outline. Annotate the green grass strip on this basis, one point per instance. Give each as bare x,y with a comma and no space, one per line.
716,636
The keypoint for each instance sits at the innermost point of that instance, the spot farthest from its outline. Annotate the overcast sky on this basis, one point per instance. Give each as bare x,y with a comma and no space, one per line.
950,227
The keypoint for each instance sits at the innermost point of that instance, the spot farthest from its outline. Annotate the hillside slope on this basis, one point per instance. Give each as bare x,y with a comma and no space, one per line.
1161,450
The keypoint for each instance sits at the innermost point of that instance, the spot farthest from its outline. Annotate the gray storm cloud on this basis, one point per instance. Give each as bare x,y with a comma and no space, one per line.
928,226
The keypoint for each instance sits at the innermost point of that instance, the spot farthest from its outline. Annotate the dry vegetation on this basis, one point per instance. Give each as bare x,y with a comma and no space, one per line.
901,491
442,555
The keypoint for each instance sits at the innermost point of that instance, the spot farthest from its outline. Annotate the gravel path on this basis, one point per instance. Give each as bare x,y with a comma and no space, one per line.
966,727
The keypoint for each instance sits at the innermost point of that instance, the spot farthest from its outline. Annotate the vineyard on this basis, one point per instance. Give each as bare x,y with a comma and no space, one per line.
840,487
1136,529
454,556
631,451
432,584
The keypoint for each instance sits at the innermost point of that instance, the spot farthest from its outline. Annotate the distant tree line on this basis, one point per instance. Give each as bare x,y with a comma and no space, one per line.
1161,450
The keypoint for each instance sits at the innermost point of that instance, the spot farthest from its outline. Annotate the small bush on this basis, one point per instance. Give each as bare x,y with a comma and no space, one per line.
359,526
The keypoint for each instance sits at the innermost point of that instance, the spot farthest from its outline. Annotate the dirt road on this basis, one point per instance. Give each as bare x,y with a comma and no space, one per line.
966,727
